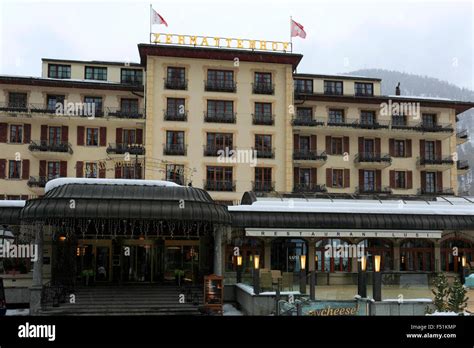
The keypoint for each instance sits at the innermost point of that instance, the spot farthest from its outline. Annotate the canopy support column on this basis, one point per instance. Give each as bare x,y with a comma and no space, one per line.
37,285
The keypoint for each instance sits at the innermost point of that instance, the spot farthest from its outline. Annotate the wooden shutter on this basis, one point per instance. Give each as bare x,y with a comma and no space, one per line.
361,145
27,133
103,136
313,142
138,174
328,145
408,152
423,179
296,177
328,177
80,135
422,148
3,132
25,169
3,168
79,169
439,181
361,179
346,144
391,147
392,178
140,136
118,135
102,170
313,176
42,168
65,134
347,177
44,132
409,179
296,142
438,153
378,149
63,169
378,180
118,172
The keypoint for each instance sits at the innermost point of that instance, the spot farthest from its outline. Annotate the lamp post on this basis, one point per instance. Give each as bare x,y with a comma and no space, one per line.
362,278
256,275
303,274
312,280
239,269
377,281
462,274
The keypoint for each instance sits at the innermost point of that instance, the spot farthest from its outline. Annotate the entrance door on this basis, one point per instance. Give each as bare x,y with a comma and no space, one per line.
138,265
181,258
93,259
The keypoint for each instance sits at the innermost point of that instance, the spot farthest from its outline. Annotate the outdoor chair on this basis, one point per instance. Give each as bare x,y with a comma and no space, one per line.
287,281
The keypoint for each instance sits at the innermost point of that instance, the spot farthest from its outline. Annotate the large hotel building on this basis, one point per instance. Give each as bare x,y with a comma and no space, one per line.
322,143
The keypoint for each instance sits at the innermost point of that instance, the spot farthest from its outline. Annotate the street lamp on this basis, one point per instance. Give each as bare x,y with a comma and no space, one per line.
256,275
239,269
462,274
377,281
303,274
312,280
362,278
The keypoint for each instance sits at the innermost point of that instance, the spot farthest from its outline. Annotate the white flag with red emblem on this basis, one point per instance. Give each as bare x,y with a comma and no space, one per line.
297,30
156,18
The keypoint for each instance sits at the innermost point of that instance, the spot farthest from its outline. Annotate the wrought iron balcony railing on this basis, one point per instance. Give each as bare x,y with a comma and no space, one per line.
122,148
309,188
263,88
264,152
219,185
175,115
263,186
300,121
225,117
435,160
365,124
220,86
372,157
263,119
125,113
174,149
37,181
214,151
310,155
438,127
373,190
48,146
170,83
435,191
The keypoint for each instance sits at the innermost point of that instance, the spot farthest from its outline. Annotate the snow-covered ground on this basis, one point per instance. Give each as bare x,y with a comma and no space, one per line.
231,310
18,312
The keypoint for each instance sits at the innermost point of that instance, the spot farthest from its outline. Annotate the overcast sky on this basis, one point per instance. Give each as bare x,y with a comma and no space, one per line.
433,38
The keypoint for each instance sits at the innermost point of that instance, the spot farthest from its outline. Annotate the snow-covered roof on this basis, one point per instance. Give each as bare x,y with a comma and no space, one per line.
88,181
12,204
417,97
455,206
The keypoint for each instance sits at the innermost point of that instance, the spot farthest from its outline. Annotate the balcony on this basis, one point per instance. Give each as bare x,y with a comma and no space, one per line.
176,84
175,115
174,149
462,136
316,158
125,113
462,167
37,181
225,117
373,190
264,152
220,86
263,186
44,149
219,185
372,160
433,128
15,107
342,123
309,188
433,191
435,162
364,124
263,120
263,88
305,122
123,148
215,151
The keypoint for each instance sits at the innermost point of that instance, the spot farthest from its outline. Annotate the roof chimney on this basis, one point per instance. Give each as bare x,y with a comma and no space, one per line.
397,89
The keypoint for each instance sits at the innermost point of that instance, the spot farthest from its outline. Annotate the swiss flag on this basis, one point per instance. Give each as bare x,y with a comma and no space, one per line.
157,19
297,30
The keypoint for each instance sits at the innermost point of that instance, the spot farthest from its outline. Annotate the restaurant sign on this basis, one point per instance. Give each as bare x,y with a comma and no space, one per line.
291,232
334,308
220,42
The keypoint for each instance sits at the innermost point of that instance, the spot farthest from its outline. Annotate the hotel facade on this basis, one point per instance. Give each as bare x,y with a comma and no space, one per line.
308,149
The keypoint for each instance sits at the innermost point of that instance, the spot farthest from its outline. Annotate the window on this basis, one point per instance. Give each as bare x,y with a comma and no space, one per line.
331,262
263,179
129,136
53,100
14,171
429,120
219,179
304,86
305,142
53,170
336,146
286,254
218,141
364,89
263,142
17,100
399,148
97,101
16,134
220,109
129,106
91,170
333,87
175,173
96,73
175,107
220,80
175,78
399,120
367,117
263,109
263,83
174,139
376,246
338,178
305,177
131,76
59,71
400,180
429,150
369,148
416,255
54,136
92,137
248,248
304,113
336,116
369,181
128,172
430,182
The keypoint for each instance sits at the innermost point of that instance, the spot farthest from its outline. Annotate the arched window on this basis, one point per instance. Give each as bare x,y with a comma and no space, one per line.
416,255
248,247
382,247
286,254
327,258
452,250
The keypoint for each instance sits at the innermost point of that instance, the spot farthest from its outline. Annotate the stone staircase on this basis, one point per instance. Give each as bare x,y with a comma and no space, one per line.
142,299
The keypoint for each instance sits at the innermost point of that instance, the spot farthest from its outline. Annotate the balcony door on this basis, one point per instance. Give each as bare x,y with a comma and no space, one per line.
54,137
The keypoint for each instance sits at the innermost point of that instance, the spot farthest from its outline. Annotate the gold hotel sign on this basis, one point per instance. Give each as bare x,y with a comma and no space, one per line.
220,42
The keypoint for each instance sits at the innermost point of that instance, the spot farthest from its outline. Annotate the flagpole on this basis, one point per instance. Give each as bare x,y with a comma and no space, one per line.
291,36
151,8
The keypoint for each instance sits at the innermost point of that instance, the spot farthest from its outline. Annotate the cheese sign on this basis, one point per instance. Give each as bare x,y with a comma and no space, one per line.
220,42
